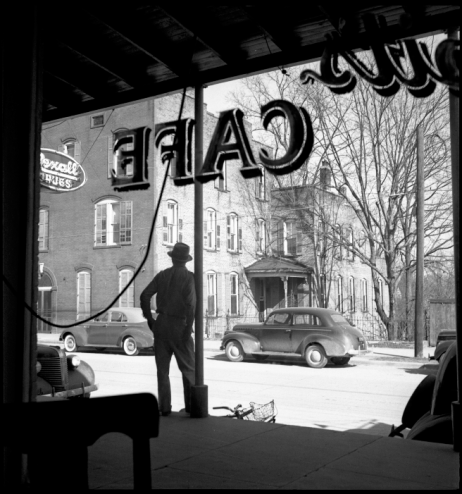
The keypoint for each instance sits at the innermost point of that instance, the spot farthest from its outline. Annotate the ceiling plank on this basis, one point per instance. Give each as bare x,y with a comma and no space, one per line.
272,27
195,23
134,31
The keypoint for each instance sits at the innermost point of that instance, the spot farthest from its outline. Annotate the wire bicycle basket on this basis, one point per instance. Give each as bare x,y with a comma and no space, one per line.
256,412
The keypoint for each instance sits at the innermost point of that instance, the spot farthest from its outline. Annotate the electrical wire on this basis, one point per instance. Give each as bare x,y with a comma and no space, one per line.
78,323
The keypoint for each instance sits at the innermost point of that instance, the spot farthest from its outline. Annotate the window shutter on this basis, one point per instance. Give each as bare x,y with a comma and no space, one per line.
218,237
239,230
110,157
164,223
77,151
180,223
228,231
257,236
280,237
204,223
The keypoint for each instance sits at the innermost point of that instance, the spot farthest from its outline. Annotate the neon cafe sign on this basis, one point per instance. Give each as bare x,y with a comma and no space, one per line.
230,140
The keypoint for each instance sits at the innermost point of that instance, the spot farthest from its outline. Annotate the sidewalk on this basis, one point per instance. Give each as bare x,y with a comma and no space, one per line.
220,453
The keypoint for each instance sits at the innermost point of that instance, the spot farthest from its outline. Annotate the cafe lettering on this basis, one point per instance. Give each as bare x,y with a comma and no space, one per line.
60,172
231,142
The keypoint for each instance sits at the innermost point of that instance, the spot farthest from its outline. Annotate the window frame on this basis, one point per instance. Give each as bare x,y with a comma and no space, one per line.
339,294
129,296
364,307
221,184
45,238
233,233
87,291
210,229
234,296
113,232
170,235
211,285
261,236
260,186
351,294
94,125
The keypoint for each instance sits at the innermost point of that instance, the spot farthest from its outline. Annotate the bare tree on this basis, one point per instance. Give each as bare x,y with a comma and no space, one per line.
368,143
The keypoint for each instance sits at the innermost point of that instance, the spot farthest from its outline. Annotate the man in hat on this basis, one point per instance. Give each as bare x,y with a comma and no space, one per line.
176,305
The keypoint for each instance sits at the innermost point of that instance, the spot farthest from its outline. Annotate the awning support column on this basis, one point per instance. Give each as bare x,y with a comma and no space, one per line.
199,392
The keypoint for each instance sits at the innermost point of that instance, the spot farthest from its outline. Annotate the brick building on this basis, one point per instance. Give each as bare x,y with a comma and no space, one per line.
92,239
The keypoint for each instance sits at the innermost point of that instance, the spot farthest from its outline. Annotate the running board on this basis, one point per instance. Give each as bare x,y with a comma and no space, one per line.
275,354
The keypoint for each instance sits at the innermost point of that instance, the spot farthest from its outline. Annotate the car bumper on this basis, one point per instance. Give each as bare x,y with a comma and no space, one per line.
70,393
352,352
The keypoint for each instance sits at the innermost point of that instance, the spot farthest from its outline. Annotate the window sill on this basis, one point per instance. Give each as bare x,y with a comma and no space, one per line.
43,251
234,252
116,246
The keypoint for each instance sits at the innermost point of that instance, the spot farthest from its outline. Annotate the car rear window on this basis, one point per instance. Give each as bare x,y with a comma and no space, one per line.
339,319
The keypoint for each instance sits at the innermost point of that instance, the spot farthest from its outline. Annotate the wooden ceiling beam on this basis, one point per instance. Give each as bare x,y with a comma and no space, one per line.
138,34
196,26
272,27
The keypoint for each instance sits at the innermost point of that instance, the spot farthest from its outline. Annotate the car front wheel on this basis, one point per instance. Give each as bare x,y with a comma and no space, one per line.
315,357
340,360
70,345
130,346
234,351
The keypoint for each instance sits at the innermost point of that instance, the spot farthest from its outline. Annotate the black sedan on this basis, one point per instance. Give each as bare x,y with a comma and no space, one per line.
319,335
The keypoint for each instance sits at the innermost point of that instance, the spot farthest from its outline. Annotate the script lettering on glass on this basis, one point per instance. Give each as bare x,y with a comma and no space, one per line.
130,165
60,172
389,58
180,152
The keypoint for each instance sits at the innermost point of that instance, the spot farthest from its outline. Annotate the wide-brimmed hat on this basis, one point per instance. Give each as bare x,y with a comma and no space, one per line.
180,252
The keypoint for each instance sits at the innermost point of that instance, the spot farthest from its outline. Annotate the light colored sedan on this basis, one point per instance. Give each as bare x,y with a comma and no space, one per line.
121,327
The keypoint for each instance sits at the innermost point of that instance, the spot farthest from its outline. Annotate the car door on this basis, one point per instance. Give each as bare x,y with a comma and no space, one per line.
302,326
97,331
118,324
275,333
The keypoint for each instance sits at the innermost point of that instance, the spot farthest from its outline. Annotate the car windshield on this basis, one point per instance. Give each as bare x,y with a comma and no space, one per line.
339,319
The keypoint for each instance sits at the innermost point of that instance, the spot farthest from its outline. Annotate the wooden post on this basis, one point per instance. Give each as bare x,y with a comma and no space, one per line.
199,392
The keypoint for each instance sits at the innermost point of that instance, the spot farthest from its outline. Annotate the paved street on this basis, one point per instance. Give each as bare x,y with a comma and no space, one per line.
366,396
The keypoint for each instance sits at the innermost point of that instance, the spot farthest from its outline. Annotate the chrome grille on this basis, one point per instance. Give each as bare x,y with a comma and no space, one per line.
54,371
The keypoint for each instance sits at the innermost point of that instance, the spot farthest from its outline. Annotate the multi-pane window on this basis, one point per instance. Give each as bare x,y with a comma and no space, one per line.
320,237
71,148
128,297
171,226
340,294
222,183
43,229
260,191
211,293
83,292
349,249
364,295
292,238
210,229
234,233
351,294
337,233
261,236
113,222
234,291
381,292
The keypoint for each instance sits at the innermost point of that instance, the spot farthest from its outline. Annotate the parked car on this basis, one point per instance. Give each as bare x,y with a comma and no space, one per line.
319,335
117,328
443,341
62,376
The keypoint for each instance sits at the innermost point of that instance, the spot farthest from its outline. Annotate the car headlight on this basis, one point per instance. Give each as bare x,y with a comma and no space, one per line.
73,361
38,367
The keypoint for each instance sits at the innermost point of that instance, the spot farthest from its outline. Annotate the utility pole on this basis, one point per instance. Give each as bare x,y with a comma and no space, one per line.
419,306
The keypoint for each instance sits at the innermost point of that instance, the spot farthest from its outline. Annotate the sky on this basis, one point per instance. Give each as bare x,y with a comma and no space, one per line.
215,96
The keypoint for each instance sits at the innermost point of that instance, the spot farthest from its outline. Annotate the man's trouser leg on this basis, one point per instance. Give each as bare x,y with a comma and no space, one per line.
163,354
184,354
